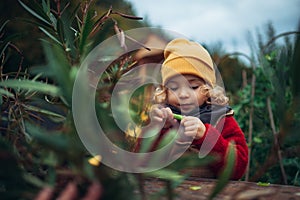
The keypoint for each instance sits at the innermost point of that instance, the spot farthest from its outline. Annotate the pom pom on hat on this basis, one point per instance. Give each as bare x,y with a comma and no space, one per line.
185,57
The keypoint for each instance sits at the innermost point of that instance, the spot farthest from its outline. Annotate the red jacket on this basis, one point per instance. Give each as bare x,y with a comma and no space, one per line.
227,130
230,131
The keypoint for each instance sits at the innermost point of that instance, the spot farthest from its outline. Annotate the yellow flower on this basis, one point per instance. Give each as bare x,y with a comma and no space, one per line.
144,116
95,161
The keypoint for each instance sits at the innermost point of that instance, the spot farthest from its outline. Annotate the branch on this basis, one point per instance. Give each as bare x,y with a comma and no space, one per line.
276,144
275,38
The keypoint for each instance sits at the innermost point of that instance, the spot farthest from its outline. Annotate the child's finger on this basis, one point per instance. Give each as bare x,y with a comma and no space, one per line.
190,123
166,113
190,133
158,119
169,113
191,128
187,121
45,194
156,112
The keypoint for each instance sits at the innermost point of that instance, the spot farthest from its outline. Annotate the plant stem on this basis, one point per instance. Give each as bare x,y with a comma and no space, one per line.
141,182
169,190
253,83
276,144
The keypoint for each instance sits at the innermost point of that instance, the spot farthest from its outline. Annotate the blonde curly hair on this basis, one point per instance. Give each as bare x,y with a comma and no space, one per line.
215,95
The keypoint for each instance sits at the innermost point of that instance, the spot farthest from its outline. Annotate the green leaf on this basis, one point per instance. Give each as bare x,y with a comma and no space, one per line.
6,93
257,140
46,112
61,29
58,63
166,174
3,25
53,20
50,159
37,24
195,187
50,35
226,174
66,33
3,49
46,6
31,85
36,11
85,32
55,141
263,184
35,181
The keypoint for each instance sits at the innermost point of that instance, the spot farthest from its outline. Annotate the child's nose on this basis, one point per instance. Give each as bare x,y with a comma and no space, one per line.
183,93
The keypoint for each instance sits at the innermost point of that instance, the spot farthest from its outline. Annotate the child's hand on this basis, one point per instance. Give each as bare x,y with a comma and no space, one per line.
159,115
193,127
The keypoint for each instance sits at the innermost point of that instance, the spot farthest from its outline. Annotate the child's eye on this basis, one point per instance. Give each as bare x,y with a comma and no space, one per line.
194,87
173,88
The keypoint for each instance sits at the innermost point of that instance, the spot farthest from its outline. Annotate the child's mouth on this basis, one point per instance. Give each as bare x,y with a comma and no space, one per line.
185,107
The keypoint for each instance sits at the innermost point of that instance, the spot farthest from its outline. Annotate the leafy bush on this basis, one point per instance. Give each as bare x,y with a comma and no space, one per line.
268,110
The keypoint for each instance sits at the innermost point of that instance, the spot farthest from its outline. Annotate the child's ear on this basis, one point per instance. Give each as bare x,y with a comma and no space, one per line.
160,94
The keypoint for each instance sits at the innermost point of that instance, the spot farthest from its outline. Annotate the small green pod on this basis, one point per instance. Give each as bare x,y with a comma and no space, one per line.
176,116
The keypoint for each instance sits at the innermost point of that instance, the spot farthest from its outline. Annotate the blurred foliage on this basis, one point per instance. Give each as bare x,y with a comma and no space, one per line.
36,118
26,36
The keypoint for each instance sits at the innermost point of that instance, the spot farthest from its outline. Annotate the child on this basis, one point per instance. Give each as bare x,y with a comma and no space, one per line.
189,89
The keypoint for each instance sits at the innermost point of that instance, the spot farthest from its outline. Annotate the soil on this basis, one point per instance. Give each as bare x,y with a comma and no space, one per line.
200,188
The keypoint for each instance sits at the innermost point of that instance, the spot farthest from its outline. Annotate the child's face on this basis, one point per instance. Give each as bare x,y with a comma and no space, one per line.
184,92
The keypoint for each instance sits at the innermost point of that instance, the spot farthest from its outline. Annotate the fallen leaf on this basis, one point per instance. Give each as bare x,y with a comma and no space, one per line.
195,187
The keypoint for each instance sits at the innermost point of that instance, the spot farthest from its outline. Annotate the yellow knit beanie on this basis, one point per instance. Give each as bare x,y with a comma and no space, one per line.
186,57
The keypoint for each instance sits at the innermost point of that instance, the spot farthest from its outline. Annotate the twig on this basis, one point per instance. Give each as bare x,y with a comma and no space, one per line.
141,181
253,82
100,21
250,130
133,40
276,144
169,190
244,78
275,38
